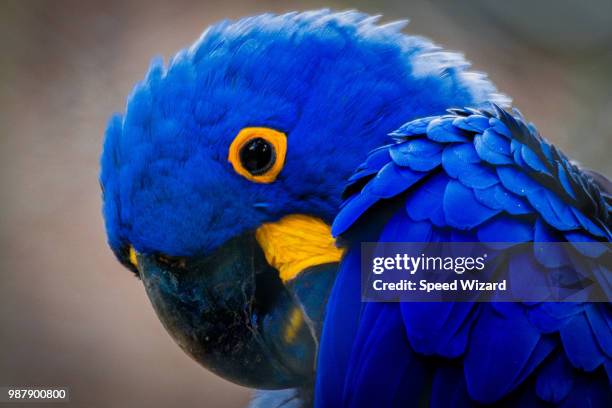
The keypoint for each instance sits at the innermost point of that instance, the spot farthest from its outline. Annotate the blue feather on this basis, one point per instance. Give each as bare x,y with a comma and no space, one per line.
416,127
392,180
516,181
555,380
351,211
588,225
442,130
562,210
564,180
505,229
486,153
495,362
552,209
500,127
417,154
402,228
551,256
462,162
580,345
544,348
461,208
530,286
599,327
339,330
498,198
456,156
472,123
426,202
533,160
512,204
586,245
516,148
438,328
545,147
385,351
376,160
496,143
550,317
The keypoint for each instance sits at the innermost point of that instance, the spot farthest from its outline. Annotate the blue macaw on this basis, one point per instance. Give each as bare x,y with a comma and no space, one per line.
222,178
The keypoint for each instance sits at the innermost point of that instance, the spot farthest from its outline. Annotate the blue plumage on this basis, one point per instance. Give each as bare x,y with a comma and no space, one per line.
497,181
405,367
335,83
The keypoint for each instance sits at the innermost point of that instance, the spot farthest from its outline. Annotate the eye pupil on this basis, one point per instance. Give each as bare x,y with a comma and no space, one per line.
257,156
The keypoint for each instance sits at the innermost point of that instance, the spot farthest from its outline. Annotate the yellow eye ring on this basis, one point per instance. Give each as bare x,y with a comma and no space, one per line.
258,153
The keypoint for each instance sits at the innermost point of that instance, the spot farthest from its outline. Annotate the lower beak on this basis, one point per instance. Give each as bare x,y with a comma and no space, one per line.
231,312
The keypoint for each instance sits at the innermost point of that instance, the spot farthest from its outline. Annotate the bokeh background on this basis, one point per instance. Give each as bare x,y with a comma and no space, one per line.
69,314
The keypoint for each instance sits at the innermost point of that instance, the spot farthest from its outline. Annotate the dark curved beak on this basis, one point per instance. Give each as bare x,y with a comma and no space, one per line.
231,312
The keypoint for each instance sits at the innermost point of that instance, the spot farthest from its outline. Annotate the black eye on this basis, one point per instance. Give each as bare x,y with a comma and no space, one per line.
257,156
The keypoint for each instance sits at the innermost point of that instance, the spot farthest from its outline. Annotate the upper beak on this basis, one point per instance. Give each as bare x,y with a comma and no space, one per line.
231,312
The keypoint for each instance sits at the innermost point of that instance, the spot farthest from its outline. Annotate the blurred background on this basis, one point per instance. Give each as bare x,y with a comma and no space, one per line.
70,315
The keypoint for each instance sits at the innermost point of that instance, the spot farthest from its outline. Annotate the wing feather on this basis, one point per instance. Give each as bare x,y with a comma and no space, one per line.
470,175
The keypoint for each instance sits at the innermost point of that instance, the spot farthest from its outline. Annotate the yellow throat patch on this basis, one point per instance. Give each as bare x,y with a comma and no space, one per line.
296,242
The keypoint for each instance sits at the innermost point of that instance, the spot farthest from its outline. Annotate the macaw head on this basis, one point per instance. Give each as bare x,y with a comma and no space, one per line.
223,175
